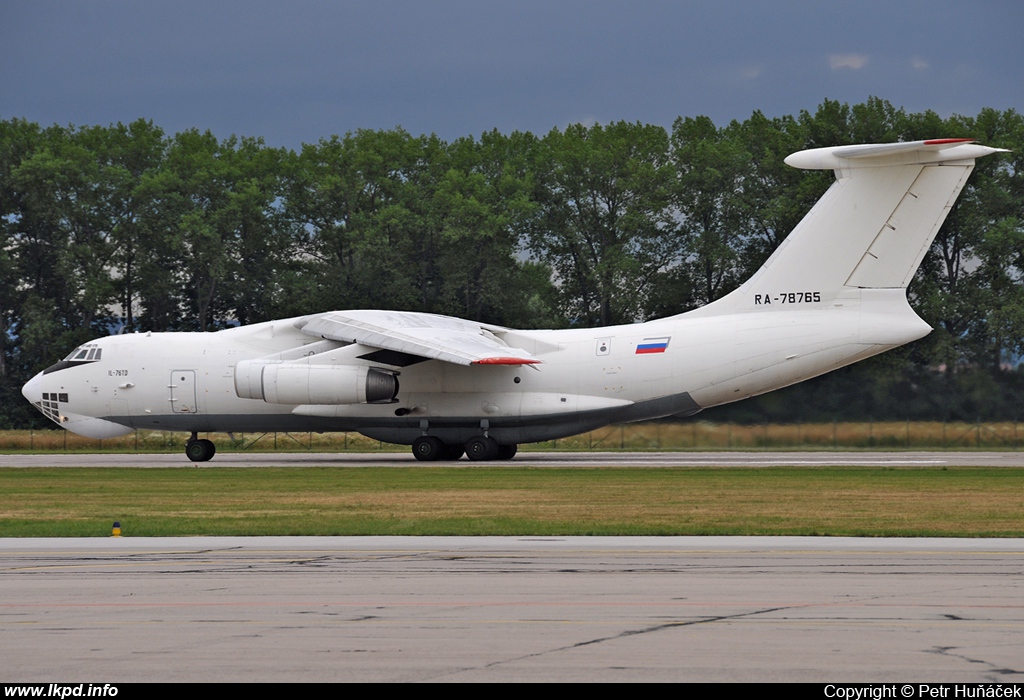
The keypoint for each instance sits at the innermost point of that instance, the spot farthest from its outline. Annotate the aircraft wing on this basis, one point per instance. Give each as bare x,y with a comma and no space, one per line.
425,335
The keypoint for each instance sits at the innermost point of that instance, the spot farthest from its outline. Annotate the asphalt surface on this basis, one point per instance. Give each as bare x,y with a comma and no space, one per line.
835,610
531,459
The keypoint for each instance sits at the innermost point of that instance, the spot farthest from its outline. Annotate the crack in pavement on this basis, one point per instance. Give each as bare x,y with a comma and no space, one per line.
945,651
628,633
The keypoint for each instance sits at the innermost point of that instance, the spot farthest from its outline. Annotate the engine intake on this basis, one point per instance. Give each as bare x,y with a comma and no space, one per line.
297,383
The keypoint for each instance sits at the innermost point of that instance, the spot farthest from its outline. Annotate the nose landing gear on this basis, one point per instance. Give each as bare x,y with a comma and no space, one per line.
199,450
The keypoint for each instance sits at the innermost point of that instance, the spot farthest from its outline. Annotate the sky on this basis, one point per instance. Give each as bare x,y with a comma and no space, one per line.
295,72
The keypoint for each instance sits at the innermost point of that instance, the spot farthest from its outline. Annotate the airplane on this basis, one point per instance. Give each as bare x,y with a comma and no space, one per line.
833,293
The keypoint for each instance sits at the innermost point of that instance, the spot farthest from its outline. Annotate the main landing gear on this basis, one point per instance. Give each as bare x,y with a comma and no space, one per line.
199,450
428,448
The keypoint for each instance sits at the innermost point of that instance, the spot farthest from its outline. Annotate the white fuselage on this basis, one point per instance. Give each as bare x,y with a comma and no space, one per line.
587,377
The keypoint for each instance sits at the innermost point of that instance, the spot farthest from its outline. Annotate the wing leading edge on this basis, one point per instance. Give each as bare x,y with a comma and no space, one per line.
426,335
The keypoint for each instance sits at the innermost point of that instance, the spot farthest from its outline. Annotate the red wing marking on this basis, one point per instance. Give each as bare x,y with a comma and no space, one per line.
505,361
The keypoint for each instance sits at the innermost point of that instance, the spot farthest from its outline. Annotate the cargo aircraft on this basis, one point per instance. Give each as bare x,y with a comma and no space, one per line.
833,293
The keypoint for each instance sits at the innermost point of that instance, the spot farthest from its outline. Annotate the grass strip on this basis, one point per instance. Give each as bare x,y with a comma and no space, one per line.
861,501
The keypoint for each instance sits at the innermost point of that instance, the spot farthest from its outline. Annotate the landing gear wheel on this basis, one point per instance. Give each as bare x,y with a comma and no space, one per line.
481,448
200,450
428,448
453,452
507,451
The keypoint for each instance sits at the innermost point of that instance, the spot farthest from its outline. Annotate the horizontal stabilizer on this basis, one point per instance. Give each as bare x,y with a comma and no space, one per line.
873,155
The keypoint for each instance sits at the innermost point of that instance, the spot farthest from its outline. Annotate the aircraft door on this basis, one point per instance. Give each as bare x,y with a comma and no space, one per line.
182,387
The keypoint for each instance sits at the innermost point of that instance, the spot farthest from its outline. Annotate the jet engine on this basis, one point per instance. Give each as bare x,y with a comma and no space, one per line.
300,383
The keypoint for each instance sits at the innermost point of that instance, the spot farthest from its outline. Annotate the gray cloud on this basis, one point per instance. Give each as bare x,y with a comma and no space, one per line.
295,72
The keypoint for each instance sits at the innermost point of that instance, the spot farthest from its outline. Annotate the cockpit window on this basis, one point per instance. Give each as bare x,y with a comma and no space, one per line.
85,353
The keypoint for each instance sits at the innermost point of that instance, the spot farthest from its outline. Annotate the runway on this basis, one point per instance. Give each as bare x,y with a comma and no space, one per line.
512,609
530,459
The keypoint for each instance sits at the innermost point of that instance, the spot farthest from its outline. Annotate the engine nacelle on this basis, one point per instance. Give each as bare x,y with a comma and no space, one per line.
298,383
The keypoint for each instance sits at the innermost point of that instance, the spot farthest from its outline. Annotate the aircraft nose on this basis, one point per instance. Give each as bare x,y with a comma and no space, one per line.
33,389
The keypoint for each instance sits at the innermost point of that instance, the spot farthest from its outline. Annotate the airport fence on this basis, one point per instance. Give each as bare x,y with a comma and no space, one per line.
655,435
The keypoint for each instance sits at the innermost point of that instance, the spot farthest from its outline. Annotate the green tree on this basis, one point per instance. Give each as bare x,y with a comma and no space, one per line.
711,171
605,225
214,235
346,199
482,209
131,155
774,197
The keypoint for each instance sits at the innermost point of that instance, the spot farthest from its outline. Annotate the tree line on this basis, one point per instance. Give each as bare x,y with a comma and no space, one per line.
125,228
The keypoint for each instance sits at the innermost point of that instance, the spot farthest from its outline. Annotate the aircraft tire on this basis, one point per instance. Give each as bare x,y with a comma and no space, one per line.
507,451
428,448
481,448
200,450
453,452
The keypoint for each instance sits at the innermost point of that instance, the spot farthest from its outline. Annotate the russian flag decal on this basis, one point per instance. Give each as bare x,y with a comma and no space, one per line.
649,346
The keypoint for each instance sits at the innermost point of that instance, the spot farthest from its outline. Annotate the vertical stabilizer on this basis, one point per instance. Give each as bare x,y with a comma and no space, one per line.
870,230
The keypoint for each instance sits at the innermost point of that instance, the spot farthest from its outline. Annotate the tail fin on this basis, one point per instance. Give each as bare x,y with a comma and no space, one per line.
871,229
